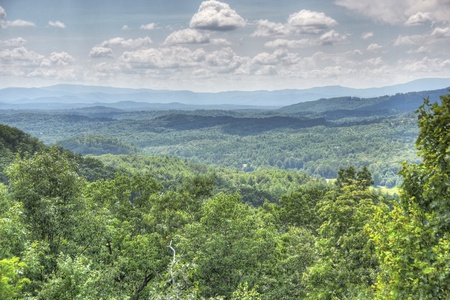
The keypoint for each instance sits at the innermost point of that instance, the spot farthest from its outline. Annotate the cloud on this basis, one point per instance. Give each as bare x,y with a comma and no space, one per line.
17,23
57,24
164,58
2,13
421,39
58,59
302,22
367,35
407,12
150,26
216,16
441,32
419,19
13,43
100,52
187,36
267,28
374,47
125,27
306,21
284,43
332,37
130,43
426,65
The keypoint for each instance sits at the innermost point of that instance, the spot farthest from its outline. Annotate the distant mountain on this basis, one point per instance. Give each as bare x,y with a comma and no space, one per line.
77,96
369,106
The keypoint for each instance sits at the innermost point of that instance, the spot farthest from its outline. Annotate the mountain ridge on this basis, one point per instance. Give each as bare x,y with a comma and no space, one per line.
81,95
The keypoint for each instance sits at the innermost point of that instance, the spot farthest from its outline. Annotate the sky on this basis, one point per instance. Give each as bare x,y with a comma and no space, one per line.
223,45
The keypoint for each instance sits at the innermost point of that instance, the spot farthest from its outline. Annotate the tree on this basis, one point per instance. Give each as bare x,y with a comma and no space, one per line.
11,280
346,262
413,240
230,244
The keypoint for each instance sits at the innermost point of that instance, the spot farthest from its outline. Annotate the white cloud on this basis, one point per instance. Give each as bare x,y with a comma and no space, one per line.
441,32
2,13
302,22
171,57
284,43
58,59
306,21
374,47
187,36
400,11
419,18
426,65
267,28
19,57
150,26
125,27
13,43
367,35
332,37
57,24
216,16
16,23
100,52
130,43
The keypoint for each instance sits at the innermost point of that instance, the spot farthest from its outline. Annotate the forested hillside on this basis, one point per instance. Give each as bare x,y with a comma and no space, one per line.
315,137
167,228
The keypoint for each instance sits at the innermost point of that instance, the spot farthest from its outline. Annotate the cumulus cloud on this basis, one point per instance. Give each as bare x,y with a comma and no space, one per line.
419,18
149,26
100,52
284,43
57,24
332,37
58,59
171,57
306,21
267,28
13,43
2,13
367,35
216,16
19,57
441,32
401,11
16,23
130,43
302,22
125,27
374,47
187,36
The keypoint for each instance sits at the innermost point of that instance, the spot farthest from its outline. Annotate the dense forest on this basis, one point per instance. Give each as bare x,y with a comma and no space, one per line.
134,226
316,137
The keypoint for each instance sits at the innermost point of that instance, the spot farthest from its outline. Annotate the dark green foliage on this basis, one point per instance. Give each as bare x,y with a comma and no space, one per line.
12,141
167,228
96,145
413,239
362,178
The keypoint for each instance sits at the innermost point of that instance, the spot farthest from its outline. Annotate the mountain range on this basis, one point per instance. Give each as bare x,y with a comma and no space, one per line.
79,96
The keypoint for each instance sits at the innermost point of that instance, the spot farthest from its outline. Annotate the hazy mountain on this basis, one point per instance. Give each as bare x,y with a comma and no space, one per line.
76,96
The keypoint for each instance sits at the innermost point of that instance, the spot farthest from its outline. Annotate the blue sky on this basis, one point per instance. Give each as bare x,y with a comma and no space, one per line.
223,45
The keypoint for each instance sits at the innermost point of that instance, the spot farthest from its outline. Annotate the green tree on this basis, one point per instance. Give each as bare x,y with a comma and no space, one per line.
232,243
11,280
346,264
413,240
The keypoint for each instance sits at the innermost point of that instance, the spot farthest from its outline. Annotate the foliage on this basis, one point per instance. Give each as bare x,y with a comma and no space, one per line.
413,240
74,227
